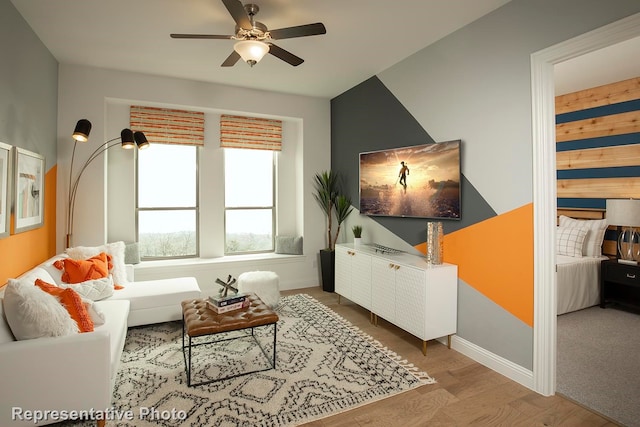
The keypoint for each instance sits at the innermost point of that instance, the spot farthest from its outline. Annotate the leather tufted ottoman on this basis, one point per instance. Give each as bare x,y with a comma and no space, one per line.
200,321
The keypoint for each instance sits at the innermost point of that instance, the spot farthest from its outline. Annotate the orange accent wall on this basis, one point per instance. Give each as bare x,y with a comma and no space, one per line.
23,251
495,257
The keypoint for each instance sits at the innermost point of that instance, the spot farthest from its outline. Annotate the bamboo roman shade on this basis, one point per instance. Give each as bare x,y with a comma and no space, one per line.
250,132
168,126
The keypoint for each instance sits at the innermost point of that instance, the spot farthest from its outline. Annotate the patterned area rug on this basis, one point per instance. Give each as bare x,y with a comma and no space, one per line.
324,366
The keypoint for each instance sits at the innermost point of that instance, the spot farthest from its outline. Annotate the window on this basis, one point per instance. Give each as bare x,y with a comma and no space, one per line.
249,200
167,206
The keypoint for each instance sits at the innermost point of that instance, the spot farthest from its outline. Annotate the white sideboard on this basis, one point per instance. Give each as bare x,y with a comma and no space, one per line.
401,288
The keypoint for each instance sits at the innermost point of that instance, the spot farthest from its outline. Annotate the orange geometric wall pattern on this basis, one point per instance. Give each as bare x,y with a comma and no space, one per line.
495,257
23,251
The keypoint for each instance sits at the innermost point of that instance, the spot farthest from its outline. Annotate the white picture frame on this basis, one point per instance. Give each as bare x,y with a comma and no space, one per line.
5,189
29,190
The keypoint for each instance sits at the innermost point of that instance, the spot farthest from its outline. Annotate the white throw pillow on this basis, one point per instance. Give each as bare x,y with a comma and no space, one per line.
116,250
94,290
33,313
97,315
569,241
596,229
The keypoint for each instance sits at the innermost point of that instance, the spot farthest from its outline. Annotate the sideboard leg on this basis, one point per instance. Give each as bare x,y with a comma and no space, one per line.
338,298
449,342
424,347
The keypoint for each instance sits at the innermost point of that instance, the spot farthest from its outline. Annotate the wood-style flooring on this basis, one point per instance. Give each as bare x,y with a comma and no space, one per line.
466,392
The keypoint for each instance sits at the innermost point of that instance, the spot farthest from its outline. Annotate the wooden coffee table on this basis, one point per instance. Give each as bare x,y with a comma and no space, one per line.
200,321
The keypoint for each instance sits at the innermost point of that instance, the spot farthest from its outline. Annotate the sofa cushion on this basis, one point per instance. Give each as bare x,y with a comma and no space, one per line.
116,250
157,293
32,313
115,314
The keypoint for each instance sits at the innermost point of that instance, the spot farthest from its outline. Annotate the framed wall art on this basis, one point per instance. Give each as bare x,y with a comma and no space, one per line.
5,189
29,190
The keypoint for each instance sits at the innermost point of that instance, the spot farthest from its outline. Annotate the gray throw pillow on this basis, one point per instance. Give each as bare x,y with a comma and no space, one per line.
131,253
289,245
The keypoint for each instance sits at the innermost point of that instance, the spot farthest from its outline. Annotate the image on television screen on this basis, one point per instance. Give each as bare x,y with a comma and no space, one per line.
421,181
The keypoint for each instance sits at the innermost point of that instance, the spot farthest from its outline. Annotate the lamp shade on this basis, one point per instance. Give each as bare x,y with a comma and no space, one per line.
623,212
251,51
141,140
126,137
82,130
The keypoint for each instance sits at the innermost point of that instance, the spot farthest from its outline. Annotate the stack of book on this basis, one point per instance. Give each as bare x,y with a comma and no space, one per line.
229,303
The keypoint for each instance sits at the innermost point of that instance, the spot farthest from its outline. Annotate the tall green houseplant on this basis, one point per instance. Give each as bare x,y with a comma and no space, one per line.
333,204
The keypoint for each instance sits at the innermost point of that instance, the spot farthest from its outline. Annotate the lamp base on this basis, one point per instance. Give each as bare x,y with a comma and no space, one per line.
627,261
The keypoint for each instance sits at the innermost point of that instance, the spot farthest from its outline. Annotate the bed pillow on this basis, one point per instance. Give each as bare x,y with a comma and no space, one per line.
595,233
570,240
115,249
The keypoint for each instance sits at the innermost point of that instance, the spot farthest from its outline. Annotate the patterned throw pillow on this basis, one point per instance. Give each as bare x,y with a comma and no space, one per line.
596,229
72,302
569,241
77,271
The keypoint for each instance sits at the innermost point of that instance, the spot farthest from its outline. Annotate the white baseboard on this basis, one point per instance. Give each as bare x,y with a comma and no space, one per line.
492,361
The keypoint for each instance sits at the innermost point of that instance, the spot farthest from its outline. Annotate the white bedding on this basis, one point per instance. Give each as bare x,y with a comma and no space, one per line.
578,282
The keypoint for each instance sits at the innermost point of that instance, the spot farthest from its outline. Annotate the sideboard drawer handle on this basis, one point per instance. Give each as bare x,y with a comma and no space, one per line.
391,266
631,276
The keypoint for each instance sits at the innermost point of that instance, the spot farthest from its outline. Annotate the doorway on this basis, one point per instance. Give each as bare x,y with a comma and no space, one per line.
544,183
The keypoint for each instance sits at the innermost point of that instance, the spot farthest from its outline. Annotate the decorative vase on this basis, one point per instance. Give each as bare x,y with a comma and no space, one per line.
434,243
357,241
327,267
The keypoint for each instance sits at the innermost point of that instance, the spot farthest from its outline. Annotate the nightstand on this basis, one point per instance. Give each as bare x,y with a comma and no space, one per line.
620,283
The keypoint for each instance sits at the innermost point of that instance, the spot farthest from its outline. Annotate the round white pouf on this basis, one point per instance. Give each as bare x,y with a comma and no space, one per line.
265,284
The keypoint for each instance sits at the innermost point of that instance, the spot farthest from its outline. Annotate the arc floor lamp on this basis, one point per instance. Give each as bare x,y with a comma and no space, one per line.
128,140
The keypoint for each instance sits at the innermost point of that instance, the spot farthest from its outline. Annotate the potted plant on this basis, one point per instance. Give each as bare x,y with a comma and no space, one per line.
333,204
357,235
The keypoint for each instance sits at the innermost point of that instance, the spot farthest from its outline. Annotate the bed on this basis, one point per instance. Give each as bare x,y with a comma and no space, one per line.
579,252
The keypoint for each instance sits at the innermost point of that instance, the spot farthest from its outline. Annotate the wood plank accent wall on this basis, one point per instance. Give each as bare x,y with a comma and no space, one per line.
598,148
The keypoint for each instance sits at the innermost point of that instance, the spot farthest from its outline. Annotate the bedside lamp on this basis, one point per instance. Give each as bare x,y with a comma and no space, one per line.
625,213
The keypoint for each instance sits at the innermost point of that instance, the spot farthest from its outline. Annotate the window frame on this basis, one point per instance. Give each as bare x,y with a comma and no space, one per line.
273,207
196,208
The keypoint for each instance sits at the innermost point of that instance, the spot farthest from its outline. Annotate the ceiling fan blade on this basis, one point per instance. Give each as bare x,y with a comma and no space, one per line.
285,55
238,13
299,31
231,59
200,36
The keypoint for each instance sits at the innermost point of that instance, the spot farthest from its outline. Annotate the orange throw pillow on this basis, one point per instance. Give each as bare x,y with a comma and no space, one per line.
78,271
72,302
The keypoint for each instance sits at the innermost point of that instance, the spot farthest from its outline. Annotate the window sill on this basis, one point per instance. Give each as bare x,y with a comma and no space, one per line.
196,262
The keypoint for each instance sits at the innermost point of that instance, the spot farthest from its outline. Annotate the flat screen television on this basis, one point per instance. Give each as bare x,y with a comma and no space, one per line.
421,181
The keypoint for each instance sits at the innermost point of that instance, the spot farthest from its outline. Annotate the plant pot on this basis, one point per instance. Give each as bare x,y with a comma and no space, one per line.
357,241
327,268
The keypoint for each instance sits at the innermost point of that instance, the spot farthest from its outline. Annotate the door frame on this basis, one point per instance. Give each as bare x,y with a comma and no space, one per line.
544,186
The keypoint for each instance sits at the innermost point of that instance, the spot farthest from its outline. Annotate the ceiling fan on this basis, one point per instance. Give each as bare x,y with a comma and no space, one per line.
254,40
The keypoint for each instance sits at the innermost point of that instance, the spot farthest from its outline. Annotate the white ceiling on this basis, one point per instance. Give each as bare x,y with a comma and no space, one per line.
364,37
609,65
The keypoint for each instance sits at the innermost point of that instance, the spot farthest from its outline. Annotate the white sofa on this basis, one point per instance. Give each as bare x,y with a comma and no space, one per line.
77,372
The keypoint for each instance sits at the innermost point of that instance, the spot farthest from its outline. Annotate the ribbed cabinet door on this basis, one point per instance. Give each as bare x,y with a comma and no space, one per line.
361,279
343,272
383,289
411,303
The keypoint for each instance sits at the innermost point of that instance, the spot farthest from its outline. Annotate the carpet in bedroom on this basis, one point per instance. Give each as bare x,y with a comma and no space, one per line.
598,362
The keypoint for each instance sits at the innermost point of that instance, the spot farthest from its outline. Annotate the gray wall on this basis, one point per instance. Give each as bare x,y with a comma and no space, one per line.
473,85
28,87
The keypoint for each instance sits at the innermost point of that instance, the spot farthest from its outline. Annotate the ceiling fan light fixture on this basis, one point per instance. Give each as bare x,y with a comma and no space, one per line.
251,51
